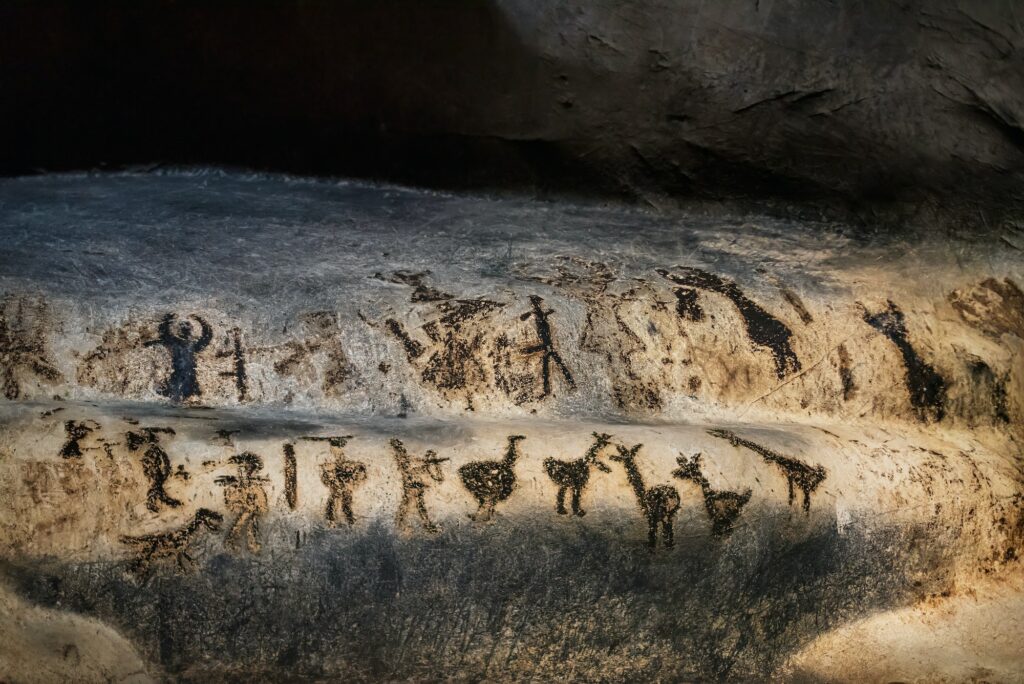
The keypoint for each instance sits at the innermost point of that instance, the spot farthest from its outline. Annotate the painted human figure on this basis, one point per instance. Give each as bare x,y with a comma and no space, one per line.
156,466
179,339
76,431
245,496
416,476
546,346
341,476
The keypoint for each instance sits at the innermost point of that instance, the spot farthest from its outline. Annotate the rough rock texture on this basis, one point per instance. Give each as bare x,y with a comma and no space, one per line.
267,428
915,101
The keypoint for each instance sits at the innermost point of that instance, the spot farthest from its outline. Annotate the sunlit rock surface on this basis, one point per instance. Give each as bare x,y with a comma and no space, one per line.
263,427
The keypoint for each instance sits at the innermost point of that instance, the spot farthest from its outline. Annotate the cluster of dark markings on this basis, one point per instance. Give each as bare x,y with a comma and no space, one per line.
490,482
451,357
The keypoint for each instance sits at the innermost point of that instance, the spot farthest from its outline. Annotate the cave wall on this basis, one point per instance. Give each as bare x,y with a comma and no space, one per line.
912,102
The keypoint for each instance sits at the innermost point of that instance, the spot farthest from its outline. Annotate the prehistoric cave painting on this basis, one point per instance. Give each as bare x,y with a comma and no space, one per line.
723,508
341,476
225,437
76,431
793,299
180,339
417,473
798,474
174,544
234,351
659,503
574,475
453,359
510,376
319,355
763,329
246,497
156,466
545,346
421,292
23,322
291,490
846,373
927,388
620,327
988,386
491,482
992,306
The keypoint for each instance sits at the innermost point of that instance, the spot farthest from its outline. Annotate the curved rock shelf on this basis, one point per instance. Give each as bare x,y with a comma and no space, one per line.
264,427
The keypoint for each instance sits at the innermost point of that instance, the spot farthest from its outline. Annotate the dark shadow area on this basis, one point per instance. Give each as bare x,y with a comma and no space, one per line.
498,602
885,103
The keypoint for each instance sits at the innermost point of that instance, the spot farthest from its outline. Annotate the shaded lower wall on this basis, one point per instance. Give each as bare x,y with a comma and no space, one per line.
516,600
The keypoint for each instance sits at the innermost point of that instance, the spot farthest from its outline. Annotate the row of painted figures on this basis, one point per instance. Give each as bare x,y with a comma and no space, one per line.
490,482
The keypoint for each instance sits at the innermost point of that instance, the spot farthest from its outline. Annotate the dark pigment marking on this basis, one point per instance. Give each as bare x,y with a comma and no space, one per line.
763,329
574,475
723,508
23,343
491,482
417,473
517,386
245,496
659,504
687,304
413,349
797,473
546,346
846,373
421,292
237,355
987,383
183,347
996,308
793,299
291,486
464,309
454,364
224,437
340,476
927,388
76,431
174,544
155,465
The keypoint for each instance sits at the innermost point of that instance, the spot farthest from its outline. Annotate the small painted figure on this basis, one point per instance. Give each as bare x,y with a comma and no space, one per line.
574,475
723,508
546,346
234,351
173,544
76,431
416,476
659,503
799,475
340,477
180,340
245,496
491,482
155,465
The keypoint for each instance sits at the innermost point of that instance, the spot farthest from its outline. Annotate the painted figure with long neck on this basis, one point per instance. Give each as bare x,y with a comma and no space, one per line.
659,504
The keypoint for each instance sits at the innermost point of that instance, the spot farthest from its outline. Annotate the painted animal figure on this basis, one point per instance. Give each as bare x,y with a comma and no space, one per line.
798,474
491,482
659,503
723,507
173,544
574,475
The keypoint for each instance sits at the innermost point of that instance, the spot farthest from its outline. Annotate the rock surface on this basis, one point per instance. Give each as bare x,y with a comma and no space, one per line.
265,427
